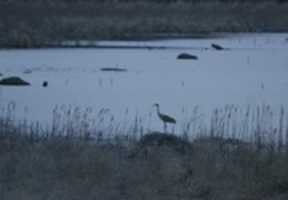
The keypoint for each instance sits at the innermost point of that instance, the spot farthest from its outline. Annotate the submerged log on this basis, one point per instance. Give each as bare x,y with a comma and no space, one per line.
113,69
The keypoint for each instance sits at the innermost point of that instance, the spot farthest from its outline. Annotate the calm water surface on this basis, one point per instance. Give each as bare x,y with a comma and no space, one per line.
252,71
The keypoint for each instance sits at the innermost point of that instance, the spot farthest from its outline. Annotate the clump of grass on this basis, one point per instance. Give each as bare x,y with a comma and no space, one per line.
220,162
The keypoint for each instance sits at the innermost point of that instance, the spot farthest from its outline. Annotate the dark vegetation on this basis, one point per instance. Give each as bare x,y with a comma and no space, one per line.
31,23
74,162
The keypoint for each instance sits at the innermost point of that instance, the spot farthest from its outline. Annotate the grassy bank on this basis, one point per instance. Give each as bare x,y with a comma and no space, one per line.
33,24
36,163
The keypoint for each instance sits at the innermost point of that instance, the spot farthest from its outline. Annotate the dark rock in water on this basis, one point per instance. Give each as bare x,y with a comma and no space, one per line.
113,69
187,56
217,47
151,143
45,84
14,80
27,71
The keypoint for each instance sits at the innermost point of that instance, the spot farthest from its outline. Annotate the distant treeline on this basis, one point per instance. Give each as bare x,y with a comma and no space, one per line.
38,23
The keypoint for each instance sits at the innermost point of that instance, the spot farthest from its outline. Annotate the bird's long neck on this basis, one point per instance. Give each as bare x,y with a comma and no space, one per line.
158,110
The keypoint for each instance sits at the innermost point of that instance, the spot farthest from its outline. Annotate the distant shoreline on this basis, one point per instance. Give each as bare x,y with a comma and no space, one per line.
34,25
142,43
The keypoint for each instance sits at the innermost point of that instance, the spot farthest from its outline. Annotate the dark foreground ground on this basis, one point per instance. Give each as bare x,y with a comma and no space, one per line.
31,23
157,166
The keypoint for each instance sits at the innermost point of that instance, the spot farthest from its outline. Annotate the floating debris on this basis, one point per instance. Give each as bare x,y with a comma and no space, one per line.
217,46
13,80
113,69
187,56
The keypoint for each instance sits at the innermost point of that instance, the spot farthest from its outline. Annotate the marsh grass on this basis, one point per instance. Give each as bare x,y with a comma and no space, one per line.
241,154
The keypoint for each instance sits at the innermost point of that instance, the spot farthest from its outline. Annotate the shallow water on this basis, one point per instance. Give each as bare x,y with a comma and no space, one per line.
253,70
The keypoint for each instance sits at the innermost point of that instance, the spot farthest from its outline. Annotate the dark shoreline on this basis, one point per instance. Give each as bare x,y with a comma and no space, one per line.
95,45
31,25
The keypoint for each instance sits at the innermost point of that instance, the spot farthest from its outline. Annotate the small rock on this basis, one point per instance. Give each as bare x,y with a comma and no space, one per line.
13,80
187,56
45,83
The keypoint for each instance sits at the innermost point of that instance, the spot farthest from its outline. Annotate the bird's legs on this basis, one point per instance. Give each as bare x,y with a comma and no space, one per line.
165,127
173,129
